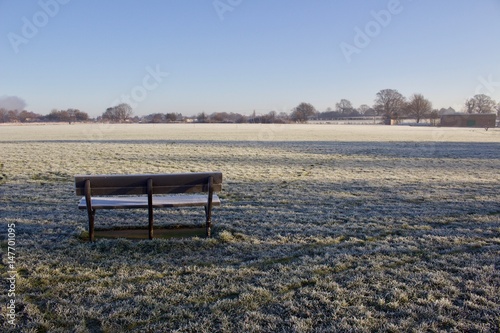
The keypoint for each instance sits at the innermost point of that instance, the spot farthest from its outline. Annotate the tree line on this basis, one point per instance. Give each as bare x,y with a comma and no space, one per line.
69,116
389,104
392,105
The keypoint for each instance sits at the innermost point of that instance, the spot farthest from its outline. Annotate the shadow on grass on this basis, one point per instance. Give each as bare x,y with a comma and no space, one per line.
389,149
141,233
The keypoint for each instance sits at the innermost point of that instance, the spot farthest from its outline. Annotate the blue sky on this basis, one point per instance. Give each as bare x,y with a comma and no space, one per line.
195,56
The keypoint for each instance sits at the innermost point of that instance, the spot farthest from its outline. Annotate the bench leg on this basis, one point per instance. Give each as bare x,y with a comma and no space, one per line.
150,207
91,214
150,225
208,224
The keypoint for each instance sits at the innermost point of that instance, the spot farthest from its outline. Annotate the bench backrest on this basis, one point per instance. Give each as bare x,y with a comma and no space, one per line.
137,184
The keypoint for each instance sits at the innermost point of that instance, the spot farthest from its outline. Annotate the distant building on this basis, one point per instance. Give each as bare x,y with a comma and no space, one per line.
484,120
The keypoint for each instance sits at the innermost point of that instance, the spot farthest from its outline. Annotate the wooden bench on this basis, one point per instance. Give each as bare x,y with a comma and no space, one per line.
140,191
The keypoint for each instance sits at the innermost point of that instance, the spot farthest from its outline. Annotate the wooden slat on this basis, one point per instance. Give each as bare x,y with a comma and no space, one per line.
136,184
142,202
156,190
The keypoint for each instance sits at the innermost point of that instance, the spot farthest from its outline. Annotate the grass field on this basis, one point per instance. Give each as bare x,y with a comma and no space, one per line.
322,228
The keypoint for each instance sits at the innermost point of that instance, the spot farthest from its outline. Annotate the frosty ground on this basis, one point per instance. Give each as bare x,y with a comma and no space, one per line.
322,228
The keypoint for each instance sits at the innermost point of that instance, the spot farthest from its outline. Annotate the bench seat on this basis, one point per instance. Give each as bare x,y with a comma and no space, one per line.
142,202
149,191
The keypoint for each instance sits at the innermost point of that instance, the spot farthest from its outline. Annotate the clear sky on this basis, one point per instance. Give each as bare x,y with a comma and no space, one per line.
191,56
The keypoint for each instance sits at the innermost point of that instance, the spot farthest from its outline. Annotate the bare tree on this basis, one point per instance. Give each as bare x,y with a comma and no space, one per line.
389,103
81,116
283,117
484,104
470,105
433,117
418,107
302,112
344,107
118,114
157,118
171,117
363,108
480,104
202,118
272,116
3,115
123,112
29,116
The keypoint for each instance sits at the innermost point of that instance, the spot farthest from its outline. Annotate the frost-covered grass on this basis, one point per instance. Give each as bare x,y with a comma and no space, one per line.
322,228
